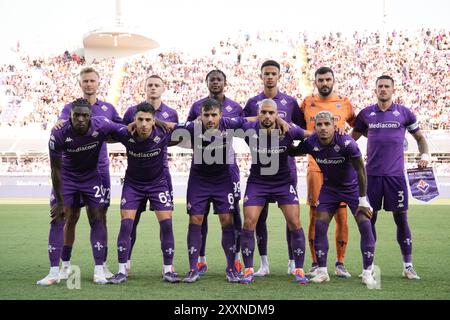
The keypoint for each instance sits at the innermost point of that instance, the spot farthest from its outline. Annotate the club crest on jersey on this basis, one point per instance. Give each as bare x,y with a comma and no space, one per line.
95,134
283,102
165,115
123,201
104,108
245,199
189,206
396,113
157,139
423,186
337,148
338,105
228,108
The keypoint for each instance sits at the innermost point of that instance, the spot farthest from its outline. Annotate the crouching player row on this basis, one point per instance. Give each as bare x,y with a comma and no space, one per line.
74,154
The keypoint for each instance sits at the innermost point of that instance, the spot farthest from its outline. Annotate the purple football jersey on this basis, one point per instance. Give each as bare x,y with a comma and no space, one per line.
288,108
163,113
385,137
283,173
222,142
230,109
99,108
80,154
146,157
334,160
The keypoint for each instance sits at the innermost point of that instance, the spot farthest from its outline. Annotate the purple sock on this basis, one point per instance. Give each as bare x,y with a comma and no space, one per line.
248,247
404,235
204,235
123,240
373,221
298,246
55,242
167,241
194,242
321,242
66,253
289,242
98,241
237,222
261,231
228,245
106,252
367,243
133,234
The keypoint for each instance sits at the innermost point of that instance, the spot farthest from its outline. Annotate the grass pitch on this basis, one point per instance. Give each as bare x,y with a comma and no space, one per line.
24,260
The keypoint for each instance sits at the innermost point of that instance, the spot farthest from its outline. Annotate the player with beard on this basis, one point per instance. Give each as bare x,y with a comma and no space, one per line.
289,111
385,124
326,100
271,181
216,81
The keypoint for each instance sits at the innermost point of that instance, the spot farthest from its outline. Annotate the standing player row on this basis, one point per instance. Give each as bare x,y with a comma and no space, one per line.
286,107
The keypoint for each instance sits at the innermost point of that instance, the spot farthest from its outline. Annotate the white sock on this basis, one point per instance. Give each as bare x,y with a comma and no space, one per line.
291,262
322,270
129,262
264,261
407,264
167,268
98,269
237,256
369,271
123,268
65,264
202,259
54,271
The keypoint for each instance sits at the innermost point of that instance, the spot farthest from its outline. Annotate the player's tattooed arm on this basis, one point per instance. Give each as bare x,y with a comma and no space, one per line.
423,150
364,206
55,164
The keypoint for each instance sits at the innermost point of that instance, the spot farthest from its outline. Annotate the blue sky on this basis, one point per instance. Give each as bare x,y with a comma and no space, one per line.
48,26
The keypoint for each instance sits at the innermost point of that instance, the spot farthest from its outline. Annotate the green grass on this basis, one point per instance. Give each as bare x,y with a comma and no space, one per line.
24,260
